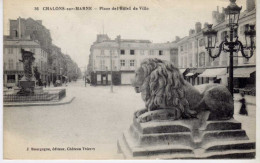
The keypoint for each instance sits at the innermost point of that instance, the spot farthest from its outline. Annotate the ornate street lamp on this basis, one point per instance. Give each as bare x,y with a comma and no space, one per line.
229,45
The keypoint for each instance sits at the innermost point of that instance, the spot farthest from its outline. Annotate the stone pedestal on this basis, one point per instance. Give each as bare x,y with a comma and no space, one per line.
38,90
186,139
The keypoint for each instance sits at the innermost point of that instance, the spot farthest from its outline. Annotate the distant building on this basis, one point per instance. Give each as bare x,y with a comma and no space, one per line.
125,55
72,71
196,63
58,65
13,68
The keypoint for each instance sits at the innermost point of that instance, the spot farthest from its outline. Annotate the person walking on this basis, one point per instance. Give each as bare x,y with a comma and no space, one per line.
44,83
243,110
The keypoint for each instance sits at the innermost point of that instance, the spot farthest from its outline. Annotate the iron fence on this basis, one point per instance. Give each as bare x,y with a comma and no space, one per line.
46,96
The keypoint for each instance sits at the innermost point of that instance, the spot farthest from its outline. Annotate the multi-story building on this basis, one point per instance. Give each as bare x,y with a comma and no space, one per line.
58,64
72,71
33,35
31,29
196,63
13,68
123,56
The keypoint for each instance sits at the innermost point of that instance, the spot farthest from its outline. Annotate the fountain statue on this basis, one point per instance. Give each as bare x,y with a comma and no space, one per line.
27,83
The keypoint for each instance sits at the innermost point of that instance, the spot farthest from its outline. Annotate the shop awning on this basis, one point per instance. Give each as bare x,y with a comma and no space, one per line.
211,73
199,70
243,72
182,70
189,74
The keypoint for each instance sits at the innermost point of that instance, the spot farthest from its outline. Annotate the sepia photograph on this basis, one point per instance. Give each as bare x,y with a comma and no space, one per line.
129,80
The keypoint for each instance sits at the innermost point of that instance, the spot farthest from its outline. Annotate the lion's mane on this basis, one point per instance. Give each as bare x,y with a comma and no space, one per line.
163,87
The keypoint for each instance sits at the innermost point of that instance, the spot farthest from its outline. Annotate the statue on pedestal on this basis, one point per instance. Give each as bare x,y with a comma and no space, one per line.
27,83
162,87
182,121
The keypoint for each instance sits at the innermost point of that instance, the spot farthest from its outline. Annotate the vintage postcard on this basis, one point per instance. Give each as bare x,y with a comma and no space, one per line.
129,80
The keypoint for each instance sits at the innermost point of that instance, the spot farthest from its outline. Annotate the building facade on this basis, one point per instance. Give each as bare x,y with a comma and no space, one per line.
71,70
13,68
31,29
32,35
196,63
123,56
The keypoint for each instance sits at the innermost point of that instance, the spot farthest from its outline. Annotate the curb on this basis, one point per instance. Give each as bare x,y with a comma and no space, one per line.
39,104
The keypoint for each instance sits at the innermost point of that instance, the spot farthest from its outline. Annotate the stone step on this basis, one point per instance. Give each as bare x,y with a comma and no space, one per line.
185,126
221,125
229,145
151,153
135,150
231,154
187,138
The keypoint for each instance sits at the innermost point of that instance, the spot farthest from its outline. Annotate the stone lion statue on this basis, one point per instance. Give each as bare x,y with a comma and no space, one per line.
168,96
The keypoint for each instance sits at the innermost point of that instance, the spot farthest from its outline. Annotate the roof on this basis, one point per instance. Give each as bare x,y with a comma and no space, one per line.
134,45
213,72
243,72
20,43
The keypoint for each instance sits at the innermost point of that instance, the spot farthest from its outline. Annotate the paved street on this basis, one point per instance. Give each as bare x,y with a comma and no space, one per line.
95,119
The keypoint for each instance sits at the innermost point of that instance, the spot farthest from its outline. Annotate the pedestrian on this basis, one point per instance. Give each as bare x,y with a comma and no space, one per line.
44,83
243,110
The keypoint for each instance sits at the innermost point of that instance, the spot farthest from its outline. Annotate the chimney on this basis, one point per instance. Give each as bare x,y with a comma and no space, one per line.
250,5
39,21
191,32
198,27
118,38
177,38
206,25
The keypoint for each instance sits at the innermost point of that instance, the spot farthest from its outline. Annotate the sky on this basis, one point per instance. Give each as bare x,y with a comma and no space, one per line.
75,31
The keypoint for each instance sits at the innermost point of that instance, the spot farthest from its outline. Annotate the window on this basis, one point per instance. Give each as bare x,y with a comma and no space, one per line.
142,52
190,46
113,65
10,78
151,52
122,52
242,29
15,33
181,48
10,50
202,59
113,52
202,42
102,52
223,35
132,52
11,64
17,65
160,52
102,64
122,63
132,63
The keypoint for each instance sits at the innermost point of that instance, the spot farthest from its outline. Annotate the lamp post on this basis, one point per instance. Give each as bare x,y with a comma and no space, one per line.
233,44
111,87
